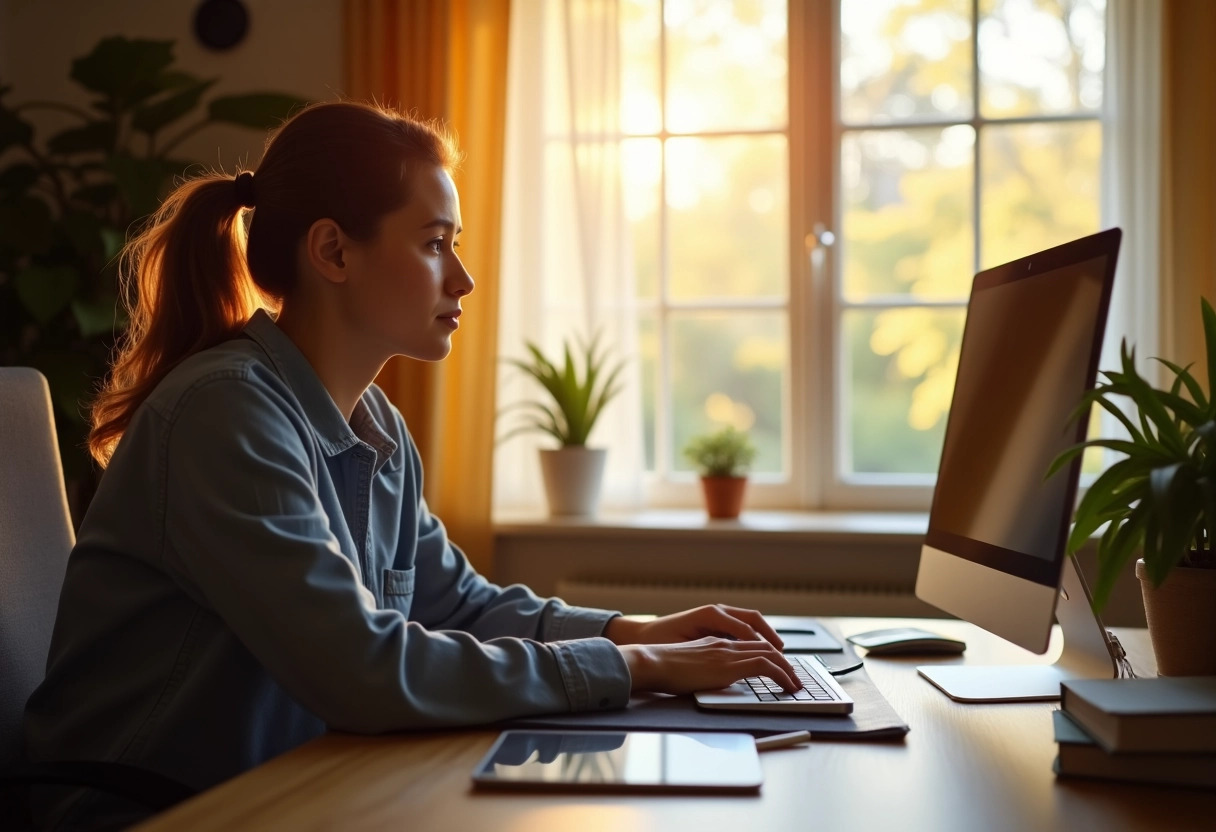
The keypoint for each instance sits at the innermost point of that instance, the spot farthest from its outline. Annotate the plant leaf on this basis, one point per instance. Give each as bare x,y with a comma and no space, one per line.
1106,498
142,181
45,290
25,225
102,316
17,177
14,129
70,376
151,117
124,71
98,195
1114,553
92,137
1192,385
1149,402
260,110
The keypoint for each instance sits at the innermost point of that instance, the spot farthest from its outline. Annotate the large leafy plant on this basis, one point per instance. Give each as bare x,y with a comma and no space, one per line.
68,203
1160,498
577,394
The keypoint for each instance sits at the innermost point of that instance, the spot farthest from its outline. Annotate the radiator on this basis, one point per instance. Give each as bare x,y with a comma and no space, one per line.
662,597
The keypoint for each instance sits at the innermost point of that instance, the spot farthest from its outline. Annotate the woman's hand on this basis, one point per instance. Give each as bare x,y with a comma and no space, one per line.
705,664
713,620
701,649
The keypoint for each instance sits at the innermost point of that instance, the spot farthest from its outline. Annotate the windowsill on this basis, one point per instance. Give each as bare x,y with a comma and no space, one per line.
790,526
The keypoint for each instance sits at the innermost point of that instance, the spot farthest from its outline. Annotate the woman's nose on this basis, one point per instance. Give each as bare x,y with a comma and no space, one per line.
461,283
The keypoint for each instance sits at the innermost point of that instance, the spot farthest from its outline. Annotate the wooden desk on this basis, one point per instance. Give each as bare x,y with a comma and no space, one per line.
962,767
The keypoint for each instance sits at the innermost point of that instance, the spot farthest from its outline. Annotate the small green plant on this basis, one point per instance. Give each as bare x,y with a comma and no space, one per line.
1161,497
578,395
727,452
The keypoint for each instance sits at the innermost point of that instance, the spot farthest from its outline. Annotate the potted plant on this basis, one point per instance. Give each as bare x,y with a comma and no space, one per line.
577,396
722,457
1159,501
67,204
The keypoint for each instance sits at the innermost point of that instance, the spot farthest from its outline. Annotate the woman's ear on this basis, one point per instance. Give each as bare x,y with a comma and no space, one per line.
325,247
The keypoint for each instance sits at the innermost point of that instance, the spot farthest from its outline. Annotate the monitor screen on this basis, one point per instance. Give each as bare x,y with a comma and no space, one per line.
1030,349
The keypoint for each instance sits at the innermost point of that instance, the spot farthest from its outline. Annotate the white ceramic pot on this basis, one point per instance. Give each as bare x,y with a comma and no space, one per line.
572,476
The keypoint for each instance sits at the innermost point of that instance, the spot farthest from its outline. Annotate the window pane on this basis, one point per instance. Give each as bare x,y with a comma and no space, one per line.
907,224
905,59
729,369
727,64
899,370
1040,187
728,205
648,345
641,110
1038,58
642,170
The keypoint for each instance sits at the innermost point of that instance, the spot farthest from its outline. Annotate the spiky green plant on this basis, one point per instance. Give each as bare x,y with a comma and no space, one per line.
579,394
727,452
1160,499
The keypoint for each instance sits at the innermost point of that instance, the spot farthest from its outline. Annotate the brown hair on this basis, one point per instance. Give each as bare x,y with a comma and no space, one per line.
196,276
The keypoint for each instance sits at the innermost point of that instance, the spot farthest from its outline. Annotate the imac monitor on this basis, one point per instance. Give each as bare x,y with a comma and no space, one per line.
994,553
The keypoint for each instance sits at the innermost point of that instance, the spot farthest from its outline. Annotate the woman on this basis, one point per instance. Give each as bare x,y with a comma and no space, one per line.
258,564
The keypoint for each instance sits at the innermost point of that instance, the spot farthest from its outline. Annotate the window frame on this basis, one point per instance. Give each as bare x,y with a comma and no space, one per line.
879,491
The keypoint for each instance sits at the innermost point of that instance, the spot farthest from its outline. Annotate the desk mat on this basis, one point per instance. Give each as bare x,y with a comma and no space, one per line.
873,718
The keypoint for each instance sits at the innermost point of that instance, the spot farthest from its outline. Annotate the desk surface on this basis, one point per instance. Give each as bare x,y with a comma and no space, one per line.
964,767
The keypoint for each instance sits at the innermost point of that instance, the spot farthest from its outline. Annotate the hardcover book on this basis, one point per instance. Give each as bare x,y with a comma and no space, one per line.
1174,713
1081,756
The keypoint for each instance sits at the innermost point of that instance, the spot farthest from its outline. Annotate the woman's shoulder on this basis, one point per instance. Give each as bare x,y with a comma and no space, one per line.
236,369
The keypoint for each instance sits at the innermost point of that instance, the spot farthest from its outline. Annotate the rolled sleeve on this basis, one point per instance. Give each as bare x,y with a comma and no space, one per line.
566,622
594,673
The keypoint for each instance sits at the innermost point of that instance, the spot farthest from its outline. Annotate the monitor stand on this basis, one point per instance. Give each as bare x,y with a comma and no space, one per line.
1089,653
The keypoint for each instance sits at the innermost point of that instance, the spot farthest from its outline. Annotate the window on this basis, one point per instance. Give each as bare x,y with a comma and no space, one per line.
700,158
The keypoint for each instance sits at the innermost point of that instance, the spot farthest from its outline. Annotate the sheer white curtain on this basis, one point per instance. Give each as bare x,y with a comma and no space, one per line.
1132,177
567,268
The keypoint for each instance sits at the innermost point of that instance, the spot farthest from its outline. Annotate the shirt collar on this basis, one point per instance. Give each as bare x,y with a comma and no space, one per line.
334,433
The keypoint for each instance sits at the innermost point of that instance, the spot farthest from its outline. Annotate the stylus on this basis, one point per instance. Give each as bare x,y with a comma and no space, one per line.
782,740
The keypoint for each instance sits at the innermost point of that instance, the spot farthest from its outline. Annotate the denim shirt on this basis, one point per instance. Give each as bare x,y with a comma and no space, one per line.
254,570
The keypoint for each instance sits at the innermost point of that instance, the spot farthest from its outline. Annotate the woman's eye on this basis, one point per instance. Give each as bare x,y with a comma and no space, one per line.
436,245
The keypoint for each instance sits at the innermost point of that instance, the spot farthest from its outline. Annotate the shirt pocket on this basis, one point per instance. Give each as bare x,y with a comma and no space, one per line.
399,590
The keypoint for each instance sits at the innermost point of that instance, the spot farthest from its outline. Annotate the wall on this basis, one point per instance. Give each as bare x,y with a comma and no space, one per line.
291,46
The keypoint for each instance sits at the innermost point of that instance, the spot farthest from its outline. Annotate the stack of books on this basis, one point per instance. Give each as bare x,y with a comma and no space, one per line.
1160,730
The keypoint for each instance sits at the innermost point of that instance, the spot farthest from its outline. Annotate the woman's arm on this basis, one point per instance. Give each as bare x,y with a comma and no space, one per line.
247,536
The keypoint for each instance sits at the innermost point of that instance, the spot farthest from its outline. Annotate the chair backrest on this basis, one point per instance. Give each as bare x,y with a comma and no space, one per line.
35,539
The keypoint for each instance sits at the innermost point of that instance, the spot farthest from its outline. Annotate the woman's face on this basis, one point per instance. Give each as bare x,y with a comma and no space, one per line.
406,282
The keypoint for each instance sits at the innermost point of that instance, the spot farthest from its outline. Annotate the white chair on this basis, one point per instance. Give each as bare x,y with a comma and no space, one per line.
35,539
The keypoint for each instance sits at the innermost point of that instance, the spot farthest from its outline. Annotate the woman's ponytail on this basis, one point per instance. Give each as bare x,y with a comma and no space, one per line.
188,288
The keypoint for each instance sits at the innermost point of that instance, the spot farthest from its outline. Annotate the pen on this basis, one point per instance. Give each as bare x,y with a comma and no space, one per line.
782,740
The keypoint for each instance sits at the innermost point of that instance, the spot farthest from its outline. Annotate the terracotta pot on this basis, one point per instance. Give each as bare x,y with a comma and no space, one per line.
572,476
723,496
1181,617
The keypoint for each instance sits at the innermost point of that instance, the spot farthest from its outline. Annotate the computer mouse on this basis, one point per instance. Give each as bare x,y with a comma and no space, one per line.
906,641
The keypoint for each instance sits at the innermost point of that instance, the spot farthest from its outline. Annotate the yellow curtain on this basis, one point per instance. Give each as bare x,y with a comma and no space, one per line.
1189,173
447,59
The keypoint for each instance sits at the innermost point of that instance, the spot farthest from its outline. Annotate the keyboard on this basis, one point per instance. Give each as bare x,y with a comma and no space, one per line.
820,692
767,690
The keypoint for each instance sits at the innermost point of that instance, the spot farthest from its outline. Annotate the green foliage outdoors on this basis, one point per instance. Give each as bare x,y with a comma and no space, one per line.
68,203
727,452
907,214
1161,497
578,395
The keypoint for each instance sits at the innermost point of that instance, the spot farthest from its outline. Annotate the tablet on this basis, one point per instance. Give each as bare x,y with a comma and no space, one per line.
622,761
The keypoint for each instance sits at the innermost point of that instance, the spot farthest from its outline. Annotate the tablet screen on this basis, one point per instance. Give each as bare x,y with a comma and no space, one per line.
622,761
